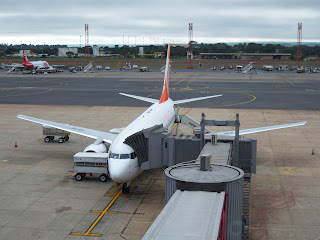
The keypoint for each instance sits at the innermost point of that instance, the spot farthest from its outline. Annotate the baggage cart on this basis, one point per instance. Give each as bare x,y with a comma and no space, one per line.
51,133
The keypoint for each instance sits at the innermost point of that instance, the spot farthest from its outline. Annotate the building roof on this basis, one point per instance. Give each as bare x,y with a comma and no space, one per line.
189,215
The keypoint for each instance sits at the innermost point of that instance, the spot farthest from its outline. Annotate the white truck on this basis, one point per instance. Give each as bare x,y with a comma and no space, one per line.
267,67
91,162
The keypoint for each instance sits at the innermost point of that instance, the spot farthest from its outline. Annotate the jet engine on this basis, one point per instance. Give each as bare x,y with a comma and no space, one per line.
97,148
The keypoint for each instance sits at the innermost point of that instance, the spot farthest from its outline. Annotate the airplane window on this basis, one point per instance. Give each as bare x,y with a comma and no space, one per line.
133,155
114,155
124,156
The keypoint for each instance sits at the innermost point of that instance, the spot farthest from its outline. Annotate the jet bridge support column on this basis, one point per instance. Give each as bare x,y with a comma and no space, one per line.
236,142
235,123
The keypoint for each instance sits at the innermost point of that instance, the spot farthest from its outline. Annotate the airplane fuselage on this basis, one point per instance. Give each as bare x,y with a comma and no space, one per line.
123,162
36,64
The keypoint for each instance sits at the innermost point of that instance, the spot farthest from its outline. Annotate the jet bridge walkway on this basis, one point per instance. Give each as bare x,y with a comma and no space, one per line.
183,148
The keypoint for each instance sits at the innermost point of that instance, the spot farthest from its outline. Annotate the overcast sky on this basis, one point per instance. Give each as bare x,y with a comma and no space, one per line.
149,21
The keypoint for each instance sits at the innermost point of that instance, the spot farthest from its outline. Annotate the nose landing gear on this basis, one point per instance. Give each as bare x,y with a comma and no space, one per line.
126,187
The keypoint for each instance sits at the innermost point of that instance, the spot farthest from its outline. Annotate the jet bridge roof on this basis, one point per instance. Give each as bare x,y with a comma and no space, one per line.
189,215
219,152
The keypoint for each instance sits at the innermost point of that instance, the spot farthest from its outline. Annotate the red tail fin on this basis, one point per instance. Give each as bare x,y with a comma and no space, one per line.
25,58
165,91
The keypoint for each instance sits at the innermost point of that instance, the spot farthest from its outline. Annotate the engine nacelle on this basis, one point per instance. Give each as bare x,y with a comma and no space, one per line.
97,148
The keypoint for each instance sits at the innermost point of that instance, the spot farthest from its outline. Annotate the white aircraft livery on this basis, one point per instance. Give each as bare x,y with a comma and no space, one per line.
123,161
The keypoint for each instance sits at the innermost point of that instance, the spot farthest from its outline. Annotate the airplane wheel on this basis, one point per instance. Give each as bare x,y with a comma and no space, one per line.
78,176
125,189
47,139
103,178
61,140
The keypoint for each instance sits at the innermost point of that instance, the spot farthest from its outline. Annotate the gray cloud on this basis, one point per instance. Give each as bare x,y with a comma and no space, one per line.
58,21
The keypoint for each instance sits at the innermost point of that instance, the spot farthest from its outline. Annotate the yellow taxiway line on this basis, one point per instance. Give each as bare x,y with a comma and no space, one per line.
102,213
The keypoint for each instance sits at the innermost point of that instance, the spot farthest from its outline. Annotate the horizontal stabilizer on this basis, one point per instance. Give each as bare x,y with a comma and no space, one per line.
195,99
261,129
150,100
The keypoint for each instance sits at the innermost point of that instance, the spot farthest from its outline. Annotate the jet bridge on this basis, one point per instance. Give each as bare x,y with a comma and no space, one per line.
156,147
182,153
147,144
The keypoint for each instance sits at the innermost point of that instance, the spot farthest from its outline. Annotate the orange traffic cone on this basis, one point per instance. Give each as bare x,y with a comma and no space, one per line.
312,151
15,145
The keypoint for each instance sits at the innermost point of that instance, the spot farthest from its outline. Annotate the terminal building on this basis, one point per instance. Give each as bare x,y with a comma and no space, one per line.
62,52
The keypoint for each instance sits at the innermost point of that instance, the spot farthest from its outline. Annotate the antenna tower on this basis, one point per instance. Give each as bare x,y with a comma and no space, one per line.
299,41
87,53
190,48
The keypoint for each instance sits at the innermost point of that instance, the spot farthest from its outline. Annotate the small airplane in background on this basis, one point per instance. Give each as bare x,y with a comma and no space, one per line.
30,65
123,162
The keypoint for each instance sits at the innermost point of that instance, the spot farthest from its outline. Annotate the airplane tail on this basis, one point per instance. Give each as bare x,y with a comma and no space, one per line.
165,91
25,58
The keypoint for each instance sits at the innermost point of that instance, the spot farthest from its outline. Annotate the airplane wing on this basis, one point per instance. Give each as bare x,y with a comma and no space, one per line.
12,65
150,100
195,99
91,133
261,129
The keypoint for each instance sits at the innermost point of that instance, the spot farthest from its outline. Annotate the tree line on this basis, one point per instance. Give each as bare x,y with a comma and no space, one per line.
177,51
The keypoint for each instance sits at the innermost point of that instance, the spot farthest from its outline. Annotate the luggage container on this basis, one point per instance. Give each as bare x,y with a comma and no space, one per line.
51,132
90,162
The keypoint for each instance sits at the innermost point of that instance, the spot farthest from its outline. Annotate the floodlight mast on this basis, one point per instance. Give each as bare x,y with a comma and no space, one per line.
87,53
299,42
190,48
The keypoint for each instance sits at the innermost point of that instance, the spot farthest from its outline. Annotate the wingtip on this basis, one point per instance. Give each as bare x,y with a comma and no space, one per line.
302,123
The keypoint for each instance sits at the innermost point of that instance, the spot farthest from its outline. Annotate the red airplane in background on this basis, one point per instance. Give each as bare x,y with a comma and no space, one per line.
34,64
42,66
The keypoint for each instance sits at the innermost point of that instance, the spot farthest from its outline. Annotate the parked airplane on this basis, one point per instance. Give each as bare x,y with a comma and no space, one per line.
123,162
33,65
